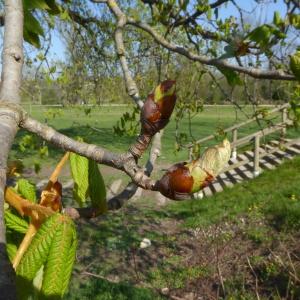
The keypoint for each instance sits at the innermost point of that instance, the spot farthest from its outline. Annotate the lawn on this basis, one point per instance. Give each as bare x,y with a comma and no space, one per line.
240,244
96,128
220,245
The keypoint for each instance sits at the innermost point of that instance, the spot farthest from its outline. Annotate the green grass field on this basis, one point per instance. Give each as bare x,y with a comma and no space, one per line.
238,244
97,128
256,222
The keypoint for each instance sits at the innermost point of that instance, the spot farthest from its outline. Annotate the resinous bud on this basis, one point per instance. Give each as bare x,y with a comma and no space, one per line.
158,107
184,179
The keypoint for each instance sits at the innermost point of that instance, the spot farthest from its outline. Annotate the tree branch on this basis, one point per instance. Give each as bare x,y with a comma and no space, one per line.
10,85
131,86
196,14
124,162
219,63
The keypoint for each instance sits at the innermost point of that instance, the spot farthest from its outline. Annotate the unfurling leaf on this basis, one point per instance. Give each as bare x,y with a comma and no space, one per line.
158,107
184,179
97,189
88,182
295,20
80,173
51,196
261,35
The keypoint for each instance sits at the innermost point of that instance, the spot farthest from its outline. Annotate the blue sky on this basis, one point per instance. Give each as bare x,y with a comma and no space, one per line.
264,13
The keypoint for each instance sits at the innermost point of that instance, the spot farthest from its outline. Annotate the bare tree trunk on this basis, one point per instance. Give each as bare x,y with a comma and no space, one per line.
9,96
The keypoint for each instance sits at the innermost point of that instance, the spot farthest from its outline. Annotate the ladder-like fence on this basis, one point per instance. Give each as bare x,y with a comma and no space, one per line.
250,163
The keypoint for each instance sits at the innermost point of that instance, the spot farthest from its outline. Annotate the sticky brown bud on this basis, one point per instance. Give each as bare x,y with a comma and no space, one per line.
158,107
184,179
177,183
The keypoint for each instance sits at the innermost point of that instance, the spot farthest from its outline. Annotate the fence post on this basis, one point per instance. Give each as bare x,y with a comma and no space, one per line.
256,169
284,119
234,139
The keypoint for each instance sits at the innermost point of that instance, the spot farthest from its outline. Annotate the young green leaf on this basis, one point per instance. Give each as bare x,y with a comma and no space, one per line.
26,189
54,8
32,24
231,76
295,64
38,250
97,189
80,173
11,250
60,260
32,4
261,35
14,222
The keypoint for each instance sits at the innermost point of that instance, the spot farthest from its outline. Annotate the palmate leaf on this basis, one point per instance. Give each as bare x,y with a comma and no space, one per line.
58,267
14,222
36,255
49,259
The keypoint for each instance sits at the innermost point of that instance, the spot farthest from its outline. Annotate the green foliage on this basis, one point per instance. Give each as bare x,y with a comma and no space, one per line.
11,250
49,258
101,289
294,20
58,267
232,77
264,34
97,189
38,250
27,142
32,29
14,222
88,182
80,173
294,110
26,189
51,114
295,64
128,123
32,26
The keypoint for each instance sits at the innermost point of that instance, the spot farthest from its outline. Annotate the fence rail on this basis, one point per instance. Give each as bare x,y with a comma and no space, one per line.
253,137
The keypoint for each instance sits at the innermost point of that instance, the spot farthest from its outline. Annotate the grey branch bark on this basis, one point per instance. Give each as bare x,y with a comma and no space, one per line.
119,200
124,162
131,86
9,93
219,63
